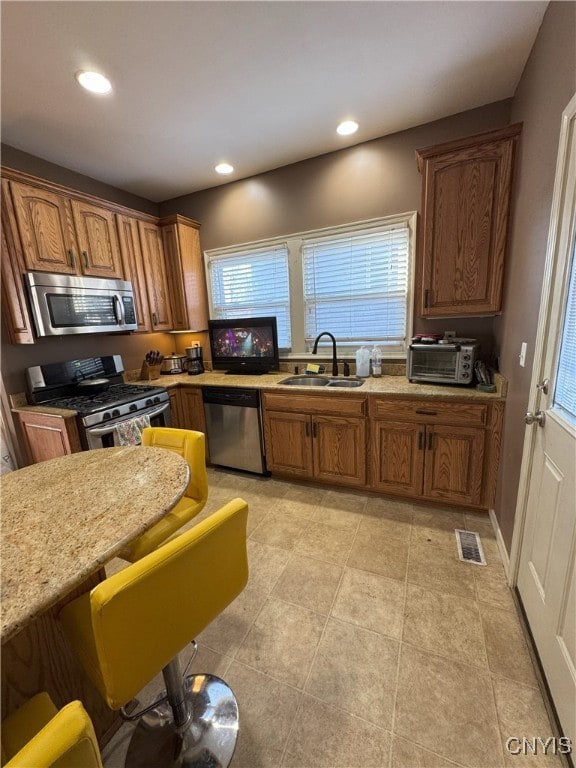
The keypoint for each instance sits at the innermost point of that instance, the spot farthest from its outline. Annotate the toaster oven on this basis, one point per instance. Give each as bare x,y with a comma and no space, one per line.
442,362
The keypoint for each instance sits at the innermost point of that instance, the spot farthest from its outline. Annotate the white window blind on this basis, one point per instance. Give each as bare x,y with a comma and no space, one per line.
252,283
356,286
565,391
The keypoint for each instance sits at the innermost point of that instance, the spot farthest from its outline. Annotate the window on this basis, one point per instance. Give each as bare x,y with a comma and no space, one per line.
252,283
356,286
565,392
354,281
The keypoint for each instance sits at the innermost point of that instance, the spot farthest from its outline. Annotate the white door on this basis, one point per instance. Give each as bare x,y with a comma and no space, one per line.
545,533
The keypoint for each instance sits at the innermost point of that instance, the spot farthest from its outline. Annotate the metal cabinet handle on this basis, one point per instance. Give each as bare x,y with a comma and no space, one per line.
420,440
85,256
424,412
427,298
307,429
71,257
430,440
314,429
154,319
539,417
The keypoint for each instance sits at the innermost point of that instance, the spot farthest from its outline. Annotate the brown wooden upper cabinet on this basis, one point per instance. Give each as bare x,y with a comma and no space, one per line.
63,235
186,277
159,298
133,260
466,186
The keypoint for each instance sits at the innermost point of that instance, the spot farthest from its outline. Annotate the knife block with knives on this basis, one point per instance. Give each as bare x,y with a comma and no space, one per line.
151,366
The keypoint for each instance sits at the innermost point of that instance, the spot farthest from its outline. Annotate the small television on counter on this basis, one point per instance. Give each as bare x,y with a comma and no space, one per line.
244,345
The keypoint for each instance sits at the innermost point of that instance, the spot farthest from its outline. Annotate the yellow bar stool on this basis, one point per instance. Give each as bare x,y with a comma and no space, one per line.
133,625
37,735
192,446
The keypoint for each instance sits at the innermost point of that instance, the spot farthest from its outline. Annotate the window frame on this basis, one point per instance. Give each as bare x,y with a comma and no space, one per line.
294,242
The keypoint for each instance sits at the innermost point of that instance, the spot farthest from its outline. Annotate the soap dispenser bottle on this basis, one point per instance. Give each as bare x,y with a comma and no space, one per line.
376,356
363,363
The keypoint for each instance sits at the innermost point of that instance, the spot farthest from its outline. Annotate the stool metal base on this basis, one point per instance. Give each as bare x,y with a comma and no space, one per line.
207,740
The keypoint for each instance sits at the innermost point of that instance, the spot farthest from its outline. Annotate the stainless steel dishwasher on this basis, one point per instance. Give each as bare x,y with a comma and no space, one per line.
234,428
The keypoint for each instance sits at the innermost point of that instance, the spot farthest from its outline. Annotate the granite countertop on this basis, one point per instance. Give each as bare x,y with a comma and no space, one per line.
384,385
395,385
63,519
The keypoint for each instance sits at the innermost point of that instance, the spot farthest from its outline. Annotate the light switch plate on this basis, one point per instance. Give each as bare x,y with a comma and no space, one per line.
522,355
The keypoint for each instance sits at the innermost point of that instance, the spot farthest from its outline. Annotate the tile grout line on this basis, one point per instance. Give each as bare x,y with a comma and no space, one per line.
401,641
303,691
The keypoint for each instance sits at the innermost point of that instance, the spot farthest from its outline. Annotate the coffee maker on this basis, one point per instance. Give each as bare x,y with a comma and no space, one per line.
194,363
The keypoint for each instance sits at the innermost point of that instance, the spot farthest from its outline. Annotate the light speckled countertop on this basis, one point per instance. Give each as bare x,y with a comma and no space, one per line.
63,519
384,385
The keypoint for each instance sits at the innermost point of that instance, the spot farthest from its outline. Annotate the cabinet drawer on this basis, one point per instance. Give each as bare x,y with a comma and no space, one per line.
311,403
471,414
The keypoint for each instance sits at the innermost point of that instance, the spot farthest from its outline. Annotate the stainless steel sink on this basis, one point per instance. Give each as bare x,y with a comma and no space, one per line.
346,383
306,381
321,381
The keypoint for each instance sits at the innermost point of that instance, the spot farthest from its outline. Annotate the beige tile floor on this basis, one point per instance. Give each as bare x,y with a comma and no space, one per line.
361,641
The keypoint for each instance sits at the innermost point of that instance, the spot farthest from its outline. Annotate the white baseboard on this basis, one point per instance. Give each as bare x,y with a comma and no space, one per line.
500,541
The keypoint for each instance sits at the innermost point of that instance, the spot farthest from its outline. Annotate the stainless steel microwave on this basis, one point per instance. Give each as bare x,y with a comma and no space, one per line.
442,363
70,304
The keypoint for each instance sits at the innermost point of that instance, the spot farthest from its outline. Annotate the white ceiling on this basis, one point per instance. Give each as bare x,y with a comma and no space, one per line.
258,84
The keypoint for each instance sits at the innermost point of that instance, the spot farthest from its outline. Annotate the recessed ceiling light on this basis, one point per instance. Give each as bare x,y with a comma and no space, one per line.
347,128
224,168
94,82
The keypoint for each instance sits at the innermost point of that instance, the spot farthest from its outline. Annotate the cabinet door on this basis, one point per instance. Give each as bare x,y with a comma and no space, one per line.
15,309
466,201
48,437
339,447
157,283
193,409
454,464
176,414
97,240
397,457
288,443
186,277
133,261
46,230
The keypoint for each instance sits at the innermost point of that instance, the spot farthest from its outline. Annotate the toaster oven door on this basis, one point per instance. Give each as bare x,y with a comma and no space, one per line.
435,363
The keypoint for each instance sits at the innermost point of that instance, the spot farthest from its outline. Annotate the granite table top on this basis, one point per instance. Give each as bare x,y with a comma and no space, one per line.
63,519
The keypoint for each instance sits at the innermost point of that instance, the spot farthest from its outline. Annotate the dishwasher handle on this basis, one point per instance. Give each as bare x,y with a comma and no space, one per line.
243,398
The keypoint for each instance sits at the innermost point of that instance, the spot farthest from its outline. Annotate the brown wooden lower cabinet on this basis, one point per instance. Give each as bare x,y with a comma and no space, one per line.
435,450
306,440
187,408
48,436
435,462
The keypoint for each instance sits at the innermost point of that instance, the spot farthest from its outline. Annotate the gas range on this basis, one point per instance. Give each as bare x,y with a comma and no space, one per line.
94,387
116,401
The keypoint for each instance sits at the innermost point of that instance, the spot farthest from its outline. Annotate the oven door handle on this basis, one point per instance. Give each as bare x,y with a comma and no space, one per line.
112,427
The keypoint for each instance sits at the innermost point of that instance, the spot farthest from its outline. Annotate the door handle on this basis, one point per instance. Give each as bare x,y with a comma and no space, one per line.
543,386
539,417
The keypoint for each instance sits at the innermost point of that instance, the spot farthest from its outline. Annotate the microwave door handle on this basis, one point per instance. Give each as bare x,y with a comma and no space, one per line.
108,430
120,315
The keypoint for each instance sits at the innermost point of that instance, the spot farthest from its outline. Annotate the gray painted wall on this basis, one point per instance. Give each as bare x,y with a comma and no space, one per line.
372,179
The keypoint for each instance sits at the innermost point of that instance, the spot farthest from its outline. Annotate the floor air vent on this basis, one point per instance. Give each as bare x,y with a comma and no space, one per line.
469,547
